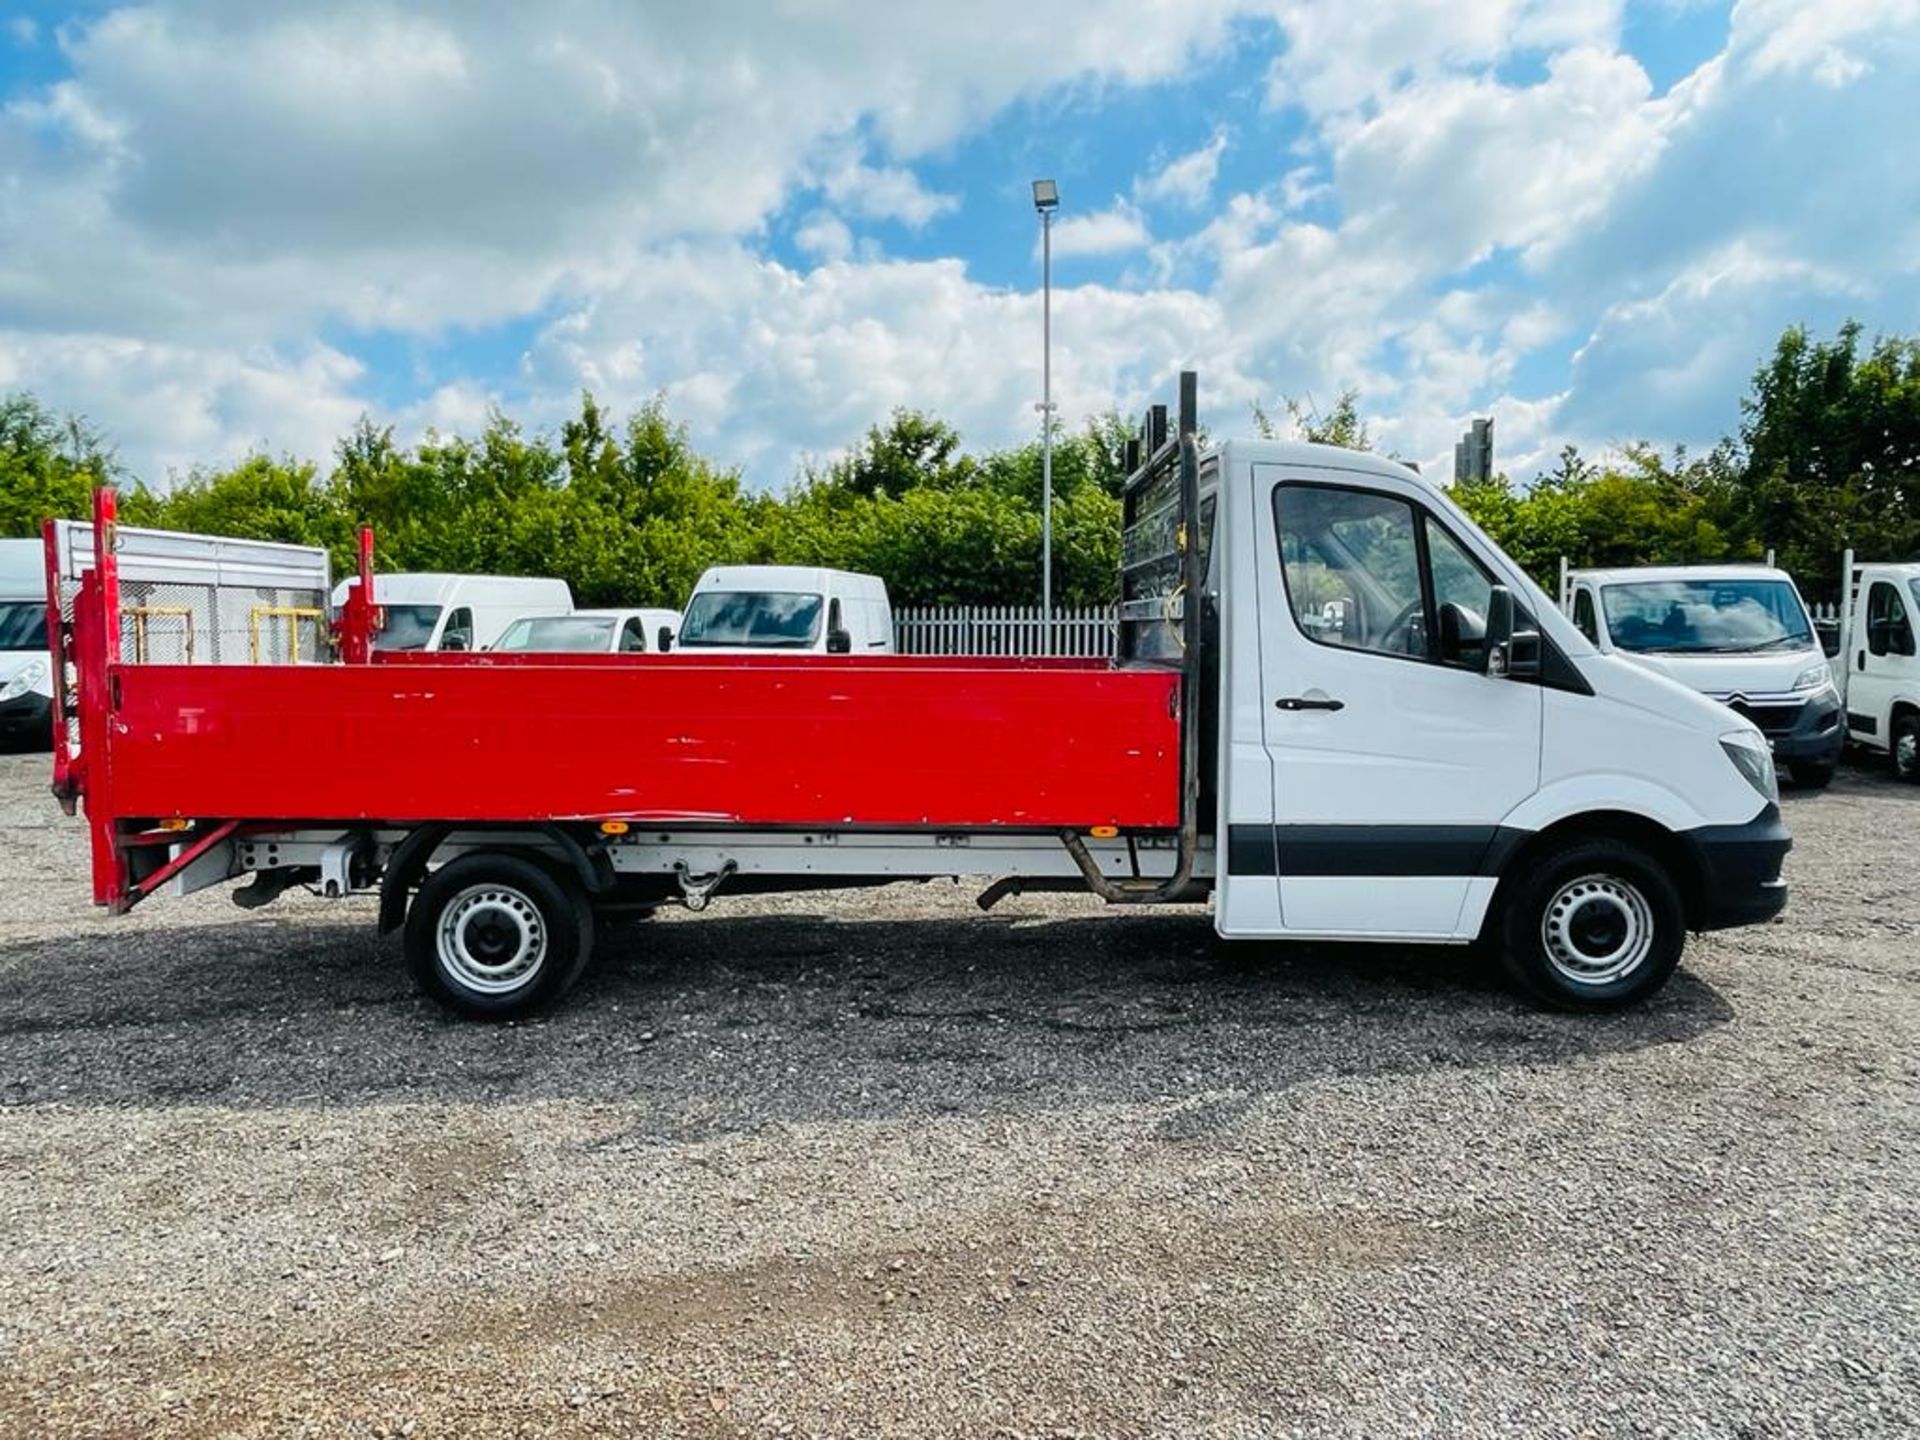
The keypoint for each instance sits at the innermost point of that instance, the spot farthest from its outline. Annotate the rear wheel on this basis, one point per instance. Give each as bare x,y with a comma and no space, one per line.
1594,925
1906,748
1809,776
494,937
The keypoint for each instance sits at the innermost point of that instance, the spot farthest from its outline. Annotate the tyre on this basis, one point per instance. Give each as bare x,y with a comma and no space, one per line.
1906,748
1810,776
495,937
1593,925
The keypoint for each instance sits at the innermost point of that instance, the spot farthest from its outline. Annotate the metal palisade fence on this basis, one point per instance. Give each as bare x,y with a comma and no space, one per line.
1084,630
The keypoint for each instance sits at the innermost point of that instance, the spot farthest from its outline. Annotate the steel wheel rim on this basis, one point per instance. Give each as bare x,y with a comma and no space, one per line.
1906,752
1597,930
492,939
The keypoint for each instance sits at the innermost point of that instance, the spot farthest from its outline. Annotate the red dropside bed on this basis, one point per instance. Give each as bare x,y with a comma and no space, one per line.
826,741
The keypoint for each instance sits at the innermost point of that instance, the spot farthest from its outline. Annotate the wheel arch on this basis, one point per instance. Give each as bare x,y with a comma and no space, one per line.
1667,847
407,866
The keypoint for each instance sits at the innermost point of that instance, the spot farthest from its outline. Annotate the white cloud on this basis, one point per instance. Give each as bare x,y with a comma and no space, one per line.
884,193
1112,231
1186,179
824,236
767,364
1819,39
1440,225
1341,57
169,408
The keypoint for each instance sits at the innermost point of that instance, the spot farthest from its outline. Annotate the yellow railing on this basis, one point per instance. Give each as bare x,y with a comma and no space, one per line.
293,615
140,614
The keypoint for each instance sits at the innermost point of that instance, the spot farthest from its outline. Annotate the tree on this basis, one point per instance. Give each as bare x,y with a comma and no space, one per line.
1340,426
1829,450
49,465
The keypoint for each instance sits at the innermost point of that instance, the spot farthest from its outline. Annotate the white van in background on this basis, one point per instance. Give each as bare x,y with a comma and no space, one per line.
1739,634
780,609
26,669
591,632
455,612
1878,666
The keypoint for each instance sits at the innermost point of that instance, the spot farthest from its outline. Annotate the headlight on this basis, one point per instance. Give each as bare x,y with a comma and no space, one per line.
31,678
1813,677
1750,757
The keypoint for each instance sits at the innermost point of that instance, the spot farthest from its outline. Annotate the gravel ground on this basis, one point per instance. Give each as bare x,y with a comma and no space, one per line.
876,1164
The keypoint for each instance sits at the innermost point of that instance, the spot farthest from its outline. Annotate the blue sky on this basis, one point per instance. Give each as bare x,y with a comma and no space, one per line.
227,226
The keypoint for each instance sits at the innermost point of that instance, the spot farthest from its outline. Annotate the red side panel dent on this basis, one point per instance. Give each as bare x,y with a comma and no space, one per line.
896,741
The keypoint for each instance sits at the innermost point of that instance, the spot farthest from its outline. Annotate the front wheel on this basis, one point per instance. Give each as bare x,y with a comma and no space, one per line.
1594,925
1906,748
494,937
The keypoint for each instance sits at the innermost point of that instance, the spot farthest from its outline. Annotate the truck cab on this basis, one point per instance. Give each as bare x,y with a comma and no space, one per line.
786,610
1739,634
1878,665
423,612
1414,743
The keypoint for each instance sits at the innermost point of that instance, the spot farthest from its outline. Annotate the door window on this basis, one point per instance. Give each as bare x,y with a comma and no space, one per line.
1583,616
459,632
1888,630
633,637
1366,571
1351,562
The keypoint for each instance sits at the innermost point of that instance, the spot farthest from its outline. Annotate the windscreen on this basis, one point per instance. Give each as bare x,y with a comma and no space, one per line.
572,634
760,618
406,627
1705,617
23,625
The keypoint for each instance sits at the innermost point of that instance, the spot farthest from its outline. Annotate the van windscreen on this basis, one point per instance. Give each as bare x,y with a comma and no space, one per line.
23,625
1705,616
565,634
759,618
405,627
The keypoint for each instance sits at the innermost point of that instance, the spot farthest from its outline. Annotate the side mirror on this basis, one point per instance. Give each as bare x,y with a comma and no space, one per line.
663,642
1511,654
1496,653
454,642
839,642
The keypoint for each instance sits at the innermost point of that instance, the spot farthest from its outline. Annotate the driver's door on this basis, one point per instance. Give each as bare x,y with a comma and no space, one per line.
1394,759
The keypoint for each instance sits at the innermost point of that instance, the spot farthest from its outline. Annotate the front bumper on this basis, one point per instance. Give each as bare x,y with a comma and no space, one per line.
27,719
1800,727
1739,869
1817,736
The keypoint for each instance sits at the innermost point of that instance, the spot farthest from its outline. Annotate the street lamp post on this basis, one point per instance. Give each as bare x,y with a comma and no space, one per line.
1046,200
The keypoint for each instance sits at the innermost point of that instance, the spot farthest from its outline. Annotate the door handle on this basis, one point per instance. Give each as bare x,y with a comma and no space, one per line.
1308,702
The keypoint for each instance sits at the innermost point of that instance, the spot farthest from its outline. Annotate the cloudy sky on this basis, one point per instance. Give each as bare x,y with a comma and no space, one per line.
227,225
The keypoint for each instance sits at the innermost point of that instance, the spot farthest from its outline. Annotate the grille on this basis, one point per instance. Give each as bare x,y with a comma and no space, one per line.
1772,719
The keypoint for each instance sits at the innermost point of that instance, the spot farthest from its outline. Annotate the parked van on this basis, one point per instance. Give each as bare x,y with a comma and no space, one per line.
456,612
592,632
1878,665
26,671
1739,634
783,608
